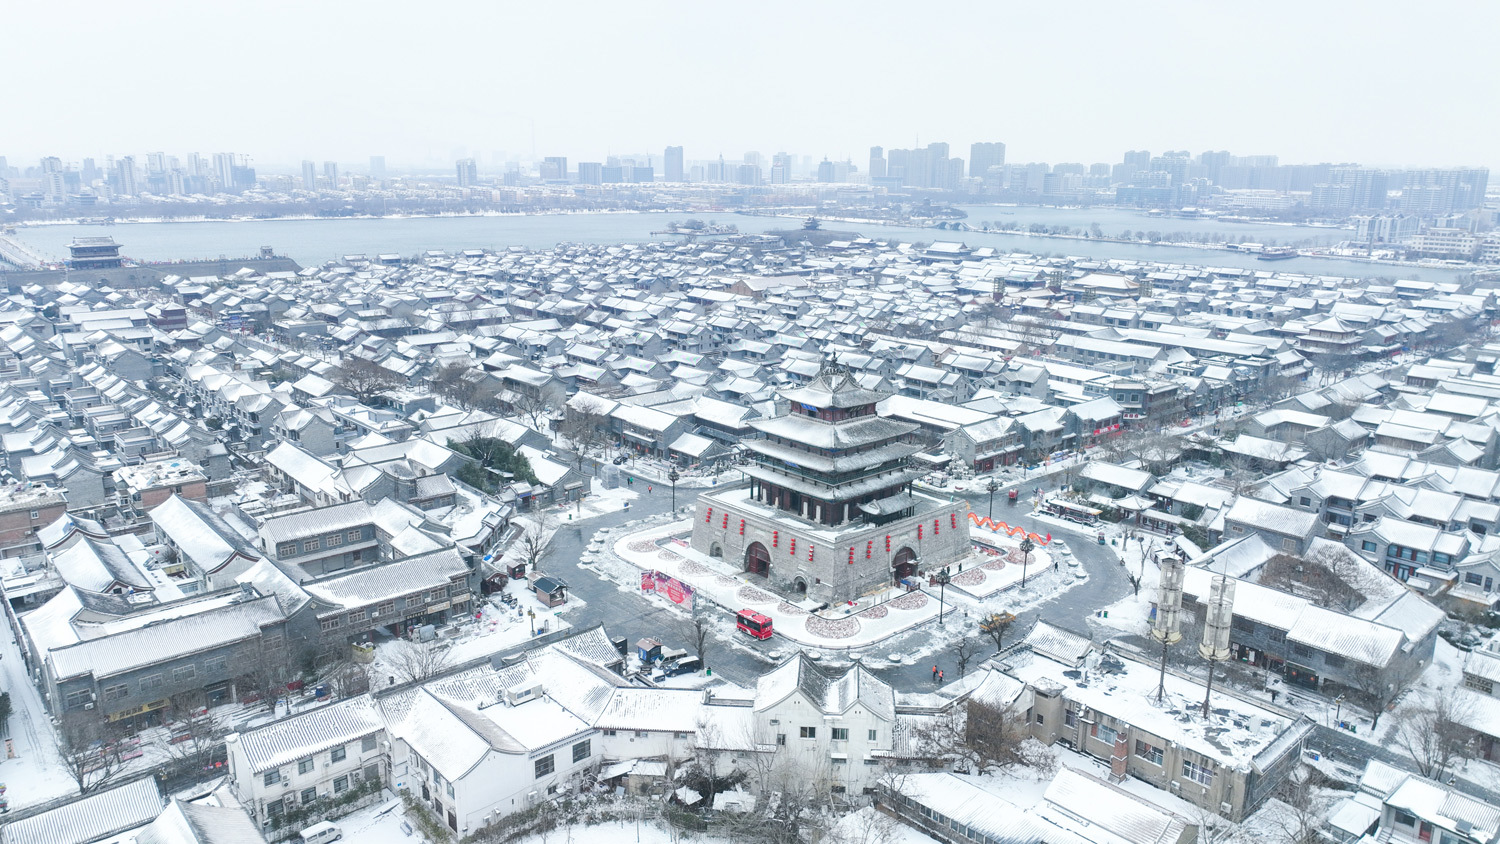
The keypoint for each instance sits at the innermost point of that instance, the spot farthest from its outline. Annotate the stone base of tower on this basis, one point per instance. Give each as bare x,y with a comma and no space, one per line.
802,559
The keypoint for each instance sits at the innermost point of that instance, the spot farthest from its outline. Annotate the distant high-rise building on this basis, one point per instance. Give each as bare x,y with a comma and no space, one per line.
52,164
983,156
592,172
554,168
1214,161
779,174
1433,192
1137,161
54,187
671,165
784,161
197,166
309,176
468,172
1174,164
124,177
877,162
748,174
90,171
377,167
224,169
156,162
1369,189
331,173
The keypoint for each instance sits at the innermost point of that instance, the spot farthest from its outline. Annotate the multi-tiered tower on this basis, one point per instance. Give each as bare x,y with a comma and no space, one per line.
829,511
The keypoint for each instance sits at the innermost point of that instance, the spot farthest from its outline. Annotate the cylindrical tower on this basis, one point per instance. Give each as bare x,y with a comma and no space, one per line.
1216,623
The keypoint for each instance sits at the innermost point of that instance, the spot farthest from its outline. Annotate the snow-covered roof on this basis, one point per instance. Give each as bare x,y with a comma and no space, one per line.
365,586
90,818
200,534
128,650
301,736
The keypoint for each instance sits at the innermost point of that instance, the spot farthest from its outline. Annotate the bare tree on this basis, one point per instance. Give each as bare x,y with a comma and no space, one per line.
412,662
533,408
1328,575
1301,821
994,626
980,737
89,755
1378,689
365,380
583,425
963,653
531,545
1243,475
1434,735
699,629
194,737
455,382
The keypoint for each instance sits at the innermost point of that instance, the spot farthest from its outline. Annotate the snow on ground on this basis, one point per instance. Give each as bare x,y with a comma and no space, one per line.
869,826
36,773
1132,613
872,619
499,627
1099,768
602,500
620,831
379,824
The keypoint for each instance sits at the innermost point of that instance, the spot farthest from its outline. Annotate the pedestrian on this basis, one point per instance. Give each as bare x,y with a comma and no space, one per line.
934,673
940,678
648,488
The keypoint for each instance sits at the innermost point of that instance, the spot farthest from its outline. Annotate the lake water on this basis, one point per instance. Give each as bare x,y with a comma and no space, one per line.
311,242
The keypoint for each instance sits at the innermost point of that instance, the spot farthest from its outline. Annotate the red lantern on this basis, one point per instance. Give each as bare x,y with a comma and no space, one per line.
851,555
869,548
810,550
709,517
934,527
919,533
742,527
793,548
887,543
775,539
953,520
726,521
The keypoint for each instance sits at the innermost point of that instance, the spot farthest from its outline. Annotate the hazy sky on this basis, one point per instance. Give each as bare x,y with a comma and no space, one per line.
1382,83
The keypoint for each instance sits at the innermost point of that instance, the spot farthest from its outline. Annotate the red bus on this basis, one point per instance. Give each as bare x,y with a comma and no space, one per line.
753,623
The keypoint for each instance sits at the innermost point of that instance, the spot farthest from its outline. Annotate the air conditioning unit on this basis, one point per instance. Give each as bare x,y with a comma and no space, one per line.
89,705
1176,786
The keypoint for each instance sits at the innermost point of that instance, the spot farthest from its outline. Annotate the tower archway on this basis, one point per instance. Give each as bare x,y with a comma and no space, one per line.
904,564
758,560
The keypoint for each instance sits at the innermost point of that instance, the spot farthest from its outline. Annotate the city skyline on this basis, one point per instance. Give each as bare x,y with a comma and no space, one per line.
1046,106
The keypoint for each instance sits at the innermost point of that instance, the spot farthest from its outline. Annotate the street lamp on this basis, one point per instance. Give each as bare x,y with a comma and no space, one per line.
1027,546
992,488
531,616
673,476
942,579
